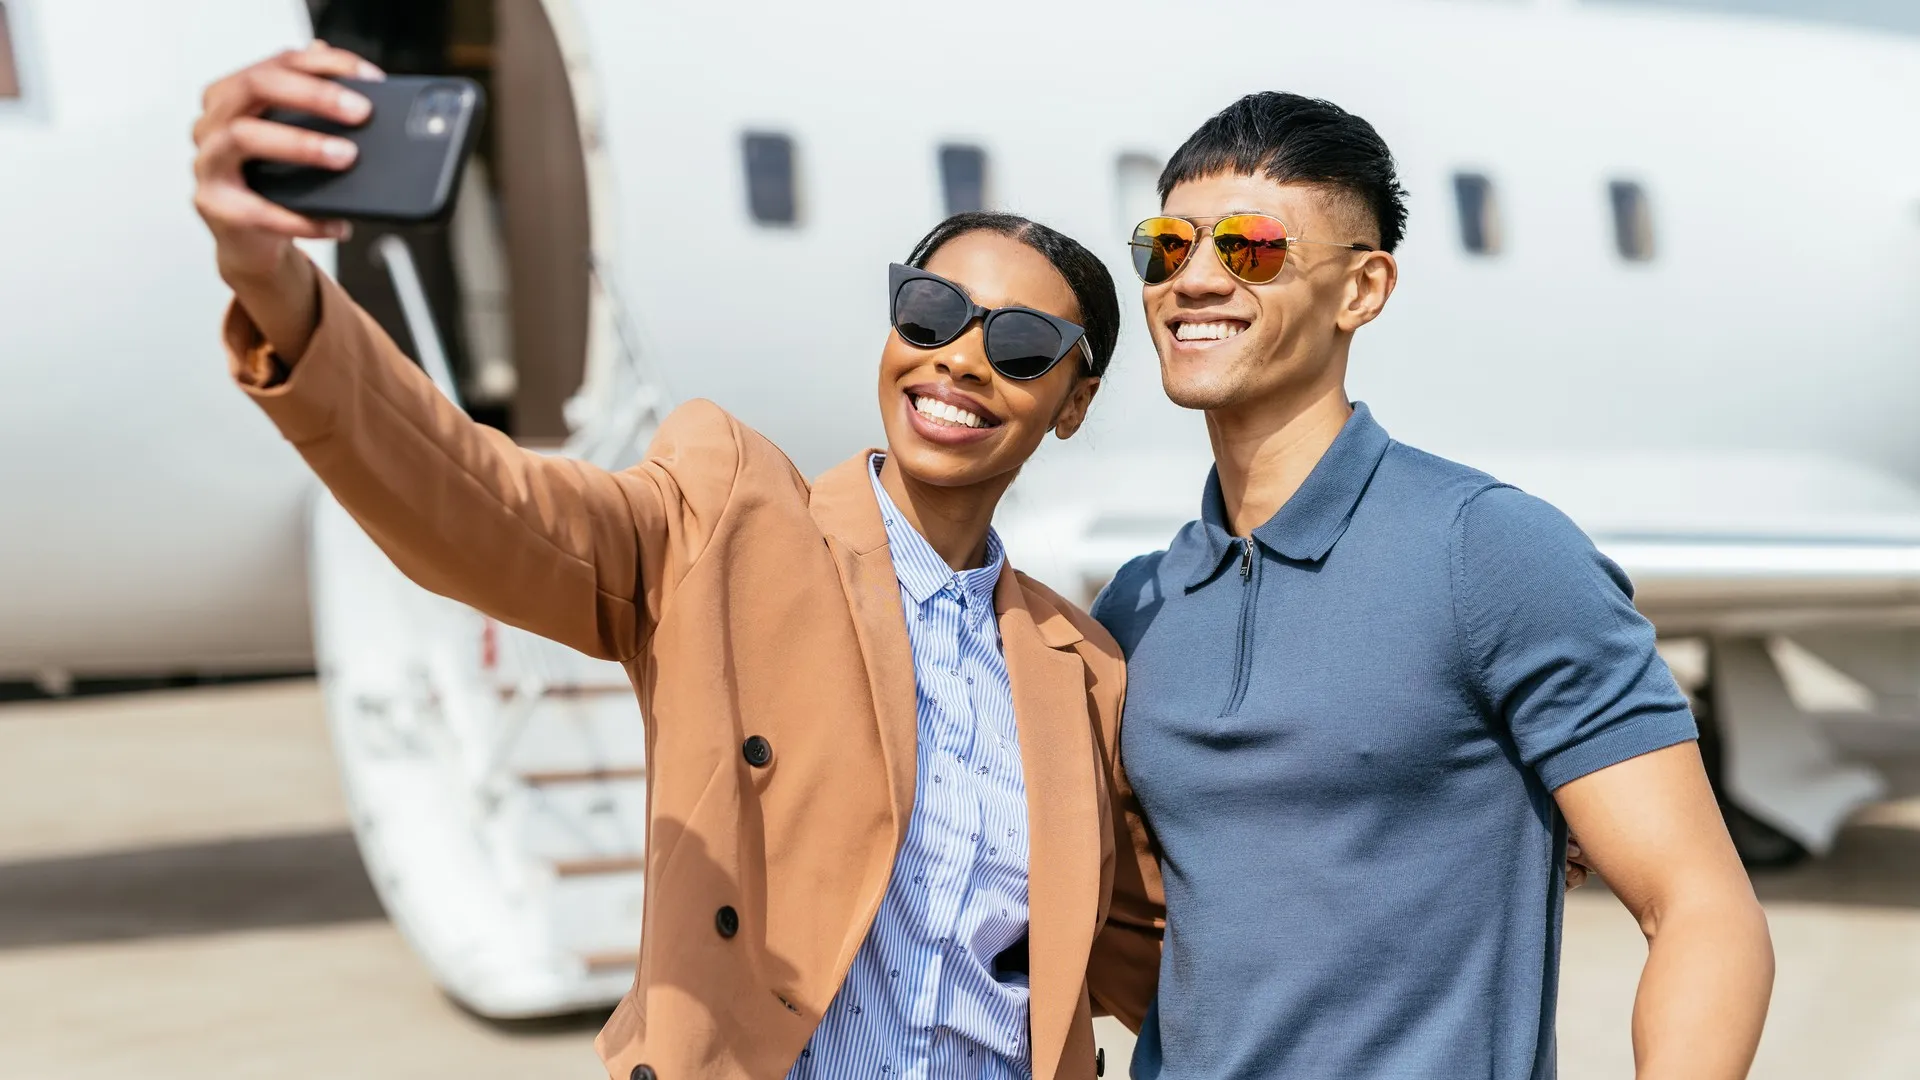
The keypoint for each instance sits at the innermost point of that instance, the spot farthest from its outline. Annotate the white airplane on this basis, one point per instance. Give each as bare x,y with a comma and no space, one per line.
1660,270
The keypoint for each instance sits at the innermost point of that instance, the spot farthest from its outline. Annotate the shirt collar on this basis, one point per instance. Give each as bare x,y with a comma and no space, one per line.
1309,523
921,570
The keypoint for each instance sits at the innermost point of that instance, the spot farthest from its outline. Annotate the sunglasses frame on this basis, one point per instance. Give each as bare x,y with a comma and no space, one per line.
1207,230
1071,333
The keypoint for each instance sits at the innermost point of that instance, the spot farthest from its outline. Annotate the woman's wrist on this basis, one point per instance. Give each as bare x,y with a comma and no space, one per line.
284,303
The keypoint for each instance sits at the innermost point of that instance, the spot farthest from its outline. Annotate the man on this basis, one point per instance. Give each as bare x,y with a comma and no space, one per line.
1370,690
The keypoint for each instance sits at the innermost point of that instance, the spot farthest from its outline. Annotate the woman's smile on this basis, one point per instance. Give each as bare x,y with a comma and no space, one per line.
943,415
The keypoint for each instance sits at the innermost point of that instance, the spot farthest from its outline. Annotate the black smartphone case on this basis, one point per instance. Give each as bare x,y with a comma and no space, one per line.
409,165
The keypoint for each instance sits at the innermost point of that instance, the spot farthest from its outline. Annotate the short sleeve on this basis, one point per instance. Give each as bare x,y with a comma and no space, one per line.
1121,602
1552,642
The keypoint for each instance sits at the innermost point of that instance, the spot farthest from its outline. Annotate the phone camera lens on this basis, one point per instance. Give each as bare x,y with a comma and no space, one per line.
435,111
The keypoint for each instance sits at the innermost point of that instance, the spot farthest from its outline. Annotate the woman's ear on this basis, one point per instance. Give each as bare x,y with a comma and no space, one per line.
1073,411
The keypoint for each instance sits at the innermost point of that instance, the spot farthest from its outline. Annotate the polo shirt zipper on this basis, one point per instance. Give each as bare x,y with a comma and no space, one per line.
1246,628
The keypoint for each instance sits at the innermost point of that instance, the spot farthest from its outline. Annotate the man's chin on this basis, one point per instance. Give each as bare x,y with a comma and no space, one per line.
1191,393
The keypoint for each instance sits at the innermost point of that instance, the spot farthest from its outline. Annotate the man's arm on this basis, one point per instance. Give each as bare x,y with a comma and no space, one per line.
1561,658
1650,827
1123,972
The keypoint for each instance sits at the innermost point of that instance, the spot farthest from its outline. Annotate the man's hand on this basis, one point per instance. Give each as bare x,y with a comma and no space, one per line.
253,238
1651,827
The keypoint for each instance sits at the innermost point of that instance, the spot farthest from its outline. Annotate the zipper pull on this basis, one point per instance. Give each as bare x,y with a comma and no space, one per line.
1246,560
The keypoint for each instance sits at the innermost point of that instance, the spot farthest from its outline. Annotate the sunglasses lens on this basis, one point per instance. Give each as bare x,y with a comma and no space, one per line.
1160,247
928,313
1021,345
1253,247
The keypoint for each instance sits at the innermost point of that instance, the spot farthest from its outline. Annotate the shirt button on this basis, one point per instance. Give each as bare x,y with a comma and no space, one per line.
918,879
894,974
983,770
955,671
969,680
936,779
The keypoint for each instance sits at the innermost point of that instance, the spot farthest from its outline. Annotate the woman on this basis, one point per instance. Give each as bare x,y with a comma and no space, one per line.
886,819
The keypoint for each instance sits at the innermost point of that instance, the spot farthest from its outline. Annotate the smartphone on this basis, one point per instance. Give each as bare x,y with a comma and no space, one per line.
413,149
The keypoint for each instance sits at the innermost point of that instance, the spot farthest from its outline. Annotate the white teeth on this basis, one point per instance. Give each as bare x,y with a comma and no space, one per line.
940,410
1206,331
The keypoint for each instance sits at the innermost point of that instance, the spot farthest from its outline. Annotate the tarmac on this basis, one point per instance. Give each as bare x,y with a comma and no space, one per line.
180,898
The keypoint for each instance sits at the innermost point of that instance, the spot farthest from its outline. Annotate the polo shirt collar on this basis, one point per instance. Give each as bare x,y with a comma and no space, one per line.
1309,523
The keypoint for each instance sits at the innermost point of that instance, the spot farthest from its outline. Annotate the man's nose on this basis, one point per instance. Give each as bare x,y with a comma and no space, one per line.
1204,274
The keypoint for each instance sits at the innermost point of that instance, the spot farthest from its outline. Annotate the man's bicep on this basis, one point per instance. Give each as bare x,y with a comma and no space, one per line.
1651,828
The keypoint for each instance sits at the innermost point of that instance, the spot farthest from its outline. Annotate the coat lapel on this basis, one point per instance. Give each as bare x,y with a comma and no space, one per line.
1056,742
843,506
1063,853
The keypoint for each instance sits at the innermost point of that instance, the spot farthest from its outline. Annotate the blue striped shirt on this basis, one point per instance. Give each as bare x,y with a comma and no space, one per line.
923,1000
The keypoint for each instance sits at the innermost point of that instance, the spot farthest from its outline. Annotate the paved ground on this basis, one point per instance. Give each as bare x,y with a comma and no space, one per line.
179,898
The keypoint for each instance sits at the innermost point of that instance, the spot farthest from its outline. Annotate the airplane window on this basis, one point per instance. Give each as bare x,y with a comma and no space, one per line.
770,178
9,74
1479,213
1136,187
1632,220
963,177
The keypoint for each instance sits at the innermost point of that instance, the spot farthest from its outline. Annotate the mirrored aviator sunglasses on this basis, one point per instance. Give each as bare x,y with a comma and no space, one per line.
929,311
1252,247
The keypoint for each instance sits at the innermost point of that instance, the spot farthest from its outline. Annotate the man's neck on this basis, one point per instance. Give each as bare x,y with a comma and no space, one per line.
1264,450
954,521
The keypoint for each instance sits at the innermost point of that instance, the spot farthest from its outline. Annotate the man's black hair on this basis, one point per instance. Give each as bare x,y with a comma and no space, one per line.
1292,139
1086,275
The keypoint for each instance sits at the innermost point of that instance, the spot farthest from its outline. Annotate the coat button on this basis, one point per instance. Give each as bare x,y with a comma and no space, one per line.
642,1072
727,921
757,751
1100,1061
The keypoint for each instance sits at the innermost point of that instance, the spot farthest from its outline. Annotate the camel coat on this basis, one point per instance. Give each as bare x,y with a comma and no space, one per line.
743,601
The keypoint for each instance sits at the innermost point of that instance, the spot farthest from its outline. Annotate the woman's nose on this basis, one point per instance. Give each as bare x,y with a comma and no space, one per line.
966,357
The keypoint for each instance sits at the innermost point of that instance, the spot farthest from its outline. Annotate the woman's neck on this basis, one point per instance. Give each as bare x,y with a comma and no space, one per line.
953,520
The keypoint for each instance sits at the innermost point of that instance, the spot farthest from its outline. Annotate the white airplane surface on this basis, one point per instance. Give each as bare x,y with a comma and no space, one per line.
1690,323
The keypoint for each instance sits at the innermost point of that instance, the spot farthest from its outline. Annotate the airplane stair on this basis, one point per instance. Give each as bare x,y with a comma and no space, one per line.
496,780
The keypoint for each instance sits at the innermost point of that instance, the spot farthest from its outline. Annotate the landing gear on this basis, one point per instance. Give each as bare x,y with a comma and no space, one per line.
1760,845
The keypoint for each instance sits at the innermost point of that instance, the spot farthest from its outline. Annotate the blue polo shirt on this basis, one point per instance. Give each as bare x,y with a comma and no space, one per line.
1345,734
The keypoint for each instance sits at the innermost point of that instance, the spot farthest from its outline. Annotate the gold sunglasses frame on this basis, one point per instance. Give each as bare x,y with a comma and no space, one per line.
1203,228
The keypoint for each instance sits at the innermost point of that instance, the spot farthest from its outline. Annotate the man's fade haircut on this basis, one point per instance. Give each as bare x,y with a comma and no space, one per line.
1291,139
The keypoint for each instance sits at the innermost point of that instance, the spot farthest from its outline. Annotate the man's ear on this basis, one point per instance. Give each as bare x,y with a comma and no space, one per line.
1369,285
1073,411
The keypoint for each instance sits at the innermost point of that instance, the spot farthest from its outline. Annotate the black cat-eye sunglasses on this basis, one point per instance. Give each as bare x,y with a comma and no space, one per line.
929,311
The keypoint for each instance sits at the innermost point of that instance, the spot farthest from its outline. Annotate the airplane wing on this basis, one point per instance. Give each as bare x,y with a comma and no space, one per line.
1715,544
1749,545
1739,550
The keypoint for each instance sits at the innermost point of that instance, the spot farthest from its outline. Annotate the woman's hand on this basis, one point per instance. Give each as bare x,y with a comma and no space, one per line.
253,238
1577,868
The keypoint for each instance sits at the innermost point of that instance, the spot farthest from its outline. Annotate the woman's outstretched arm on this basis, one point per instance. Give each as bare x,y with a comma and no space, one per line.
556,546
